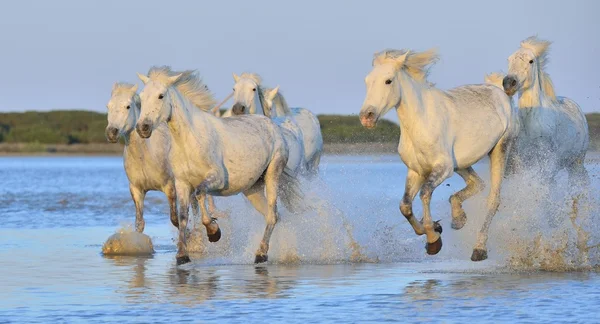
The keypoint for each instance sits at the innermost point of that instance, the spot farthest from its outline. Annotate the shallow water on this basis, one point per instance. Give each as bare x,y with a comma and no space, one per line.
56,212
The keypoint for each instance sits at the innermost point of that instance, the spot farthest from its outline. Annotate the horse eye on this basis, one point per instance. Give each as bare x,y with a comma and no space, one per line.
234,89
160,96
531,62
388,81
128,107
254,89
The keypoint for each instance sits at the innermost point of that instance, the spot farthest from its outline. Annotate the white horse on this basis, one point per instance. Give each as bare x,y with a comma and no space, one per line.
441,132
249,93
308,122
145,161
554,130
211,155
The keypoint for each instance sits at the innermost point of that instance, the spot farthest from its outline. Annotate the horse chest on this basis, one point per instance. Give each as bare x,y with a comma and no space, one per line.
415,156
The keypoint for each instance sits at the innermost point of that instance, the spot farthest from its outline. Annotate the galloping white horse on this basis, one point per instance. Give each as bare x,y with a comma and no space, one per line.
308,122
553,129
249,93
211,155
146,163
441,132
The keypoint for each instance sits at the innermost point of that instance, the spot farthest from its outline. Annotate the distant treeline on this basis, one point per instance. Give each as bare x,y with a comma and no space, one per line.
83,127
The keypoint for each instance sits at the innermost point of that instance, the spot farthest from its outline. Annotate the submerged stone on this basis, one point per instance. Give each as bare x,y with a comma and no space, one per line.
128,243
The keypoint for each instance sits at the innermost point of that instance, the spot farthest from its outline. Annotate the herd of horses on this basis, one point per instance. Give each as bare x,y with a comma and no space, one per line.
177,142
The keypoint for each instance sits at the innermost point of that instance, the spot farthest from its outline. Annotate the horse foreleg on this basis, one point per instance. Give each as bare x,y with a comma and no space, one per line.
498,159
212,228
183,197
138,195
474,186
169,190
433,230
412,186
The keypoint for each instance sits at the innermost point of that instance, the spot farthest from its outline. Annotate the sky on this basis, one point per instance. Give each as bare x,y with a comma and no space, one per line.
65,54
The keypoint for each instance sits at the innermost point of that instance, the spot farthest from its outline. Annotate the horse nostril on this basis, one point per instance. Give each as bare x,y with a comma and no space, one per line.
513,83
145,127
370,115
243,108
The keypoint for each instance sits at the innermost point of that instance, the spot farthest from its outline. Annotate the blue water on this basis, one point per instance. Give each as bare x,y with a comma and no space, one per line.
56,212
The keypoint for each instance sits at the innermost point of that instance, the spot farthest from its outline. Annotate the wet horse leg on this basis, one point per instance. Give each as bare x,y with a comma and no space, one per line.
212,228
183,197
412,186
498,160
474,186
438,174
169,190
138,195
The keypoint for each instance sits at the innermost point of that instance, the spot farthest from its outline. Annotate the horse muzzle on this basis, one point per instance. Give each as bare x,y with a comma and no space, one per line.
368,118
510,85
144,129
239,109
112,134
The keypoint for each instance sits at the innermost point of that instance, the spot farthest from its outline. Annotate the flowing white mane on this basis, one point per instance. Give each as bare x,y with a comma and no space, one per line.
252,76
495,78
129,89
280,102
540,49
416,64
189,85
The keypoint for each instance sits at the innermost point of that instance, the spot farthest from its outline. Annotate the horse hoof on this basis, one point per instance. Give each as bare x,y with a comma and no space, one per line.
215,237
261,258
437,226
435,247
478,255
183,260
459,221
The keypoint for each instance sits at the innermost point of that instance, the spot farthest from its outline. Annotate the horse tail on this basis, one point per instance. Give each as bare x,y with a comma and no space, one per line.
290,192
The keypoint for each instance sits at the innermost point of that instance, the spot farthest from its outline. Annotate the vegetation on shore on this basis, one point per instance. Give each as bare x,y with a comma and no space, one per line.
56,131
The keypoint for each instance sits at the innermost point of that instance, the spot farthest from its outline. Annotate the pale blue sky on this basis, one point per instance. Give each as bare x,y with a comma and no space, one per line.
67,54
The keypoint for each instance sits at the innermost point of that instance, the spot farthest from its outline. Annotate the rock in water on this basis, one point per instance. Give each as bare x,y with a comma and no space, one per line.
128,243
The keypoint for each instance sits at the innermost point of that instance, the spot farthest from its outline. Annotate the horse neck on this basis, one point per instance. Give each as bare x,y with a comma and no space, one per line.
411,110
281,107
535,96
185,117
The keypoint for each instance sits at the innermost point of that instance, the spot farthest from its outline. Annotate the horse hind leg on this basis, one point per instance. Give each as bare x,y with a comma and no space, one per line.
498,159
579,183
264,199
138,195
474,186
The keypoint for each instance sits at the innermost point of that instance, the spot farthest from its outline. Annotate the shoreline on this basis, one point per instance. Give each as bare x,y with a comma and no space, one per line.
109,149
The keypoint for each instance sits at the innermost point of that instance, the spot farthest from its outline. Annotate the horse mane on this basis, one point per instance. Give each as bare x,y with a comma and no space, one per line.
252,76
495,78
540,49
127,89
190,85
280,101
416,64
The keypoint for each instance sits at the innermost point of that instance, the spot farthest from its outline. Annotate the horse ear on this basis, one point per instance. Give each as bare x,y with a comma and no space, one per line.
175,78
144,78
401,60
235,77
114,86
135,88
272,93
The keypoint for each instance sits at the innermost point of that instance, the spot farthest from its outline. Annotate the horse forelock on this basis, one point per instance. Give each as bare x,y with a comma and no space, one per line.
416,64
